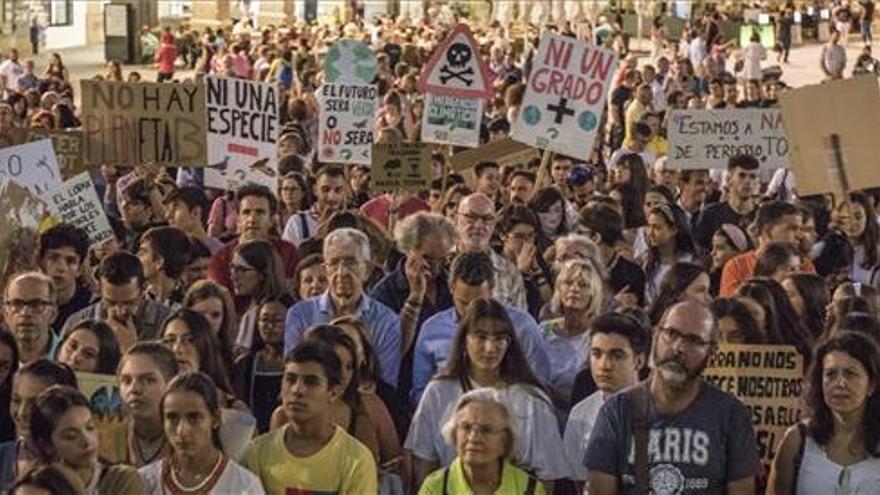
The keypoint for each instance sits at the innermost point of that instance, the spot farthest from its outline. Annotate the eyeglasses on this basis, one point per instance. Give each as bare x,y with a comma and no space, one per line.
671,335
474,219
19,305
482,338
467,429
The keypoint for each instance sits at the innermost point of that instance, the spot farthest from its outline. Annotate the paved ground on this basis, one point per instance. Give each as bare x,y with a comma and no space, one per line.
803,69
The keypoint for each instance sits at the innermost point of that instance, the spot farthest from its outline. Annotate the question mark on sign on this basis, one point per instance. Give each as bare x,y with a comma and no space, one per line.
554,132
346,154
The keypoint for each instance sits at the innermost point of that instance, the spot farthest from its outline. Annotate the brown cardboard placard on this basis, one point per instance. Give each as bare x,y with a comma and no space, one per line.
68,145
137,123
502,152
401,167
849,108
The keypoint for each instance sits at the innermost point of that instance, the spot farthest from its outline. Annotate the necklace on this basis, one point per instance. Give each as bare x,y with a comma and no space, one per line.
203,483
140,451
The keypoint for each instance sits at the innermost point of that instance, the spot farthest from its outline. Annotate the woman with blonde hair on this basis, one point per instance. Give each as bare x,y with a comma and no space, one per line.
578,298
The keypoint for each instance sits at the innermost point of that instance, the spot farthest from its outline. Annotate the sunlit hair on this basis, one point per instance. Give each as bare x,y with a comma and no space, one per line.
490,397
588,273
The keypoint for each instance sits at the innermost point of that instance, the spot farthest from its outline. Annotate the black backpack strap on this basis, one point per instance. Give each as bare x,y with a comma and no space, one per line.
799,457
639,404
530,488
304,224
446,481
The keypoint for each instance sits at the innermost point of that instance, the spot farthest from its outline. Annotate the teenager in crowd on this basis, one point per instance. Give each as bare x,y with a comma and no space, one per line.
736,323
669,242
683,281
857,220
256,276
809,297
191,419
90,346
62,256
214,302
727,242
310,279
64,431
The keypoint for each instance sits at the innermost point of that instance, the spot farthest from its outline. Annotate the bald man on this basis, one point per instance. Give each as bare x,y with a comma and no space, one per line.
701,439
475,222
29,308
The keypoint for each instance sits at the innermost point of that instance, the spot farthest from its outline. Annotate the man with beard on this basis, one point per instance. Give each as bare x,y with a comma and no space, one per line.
701,438
347,261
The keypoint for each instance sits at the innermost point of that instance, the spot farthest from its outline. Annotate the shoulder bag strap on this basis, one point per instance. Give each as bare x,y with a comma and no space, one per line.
639,419
799,457
446,481
530,488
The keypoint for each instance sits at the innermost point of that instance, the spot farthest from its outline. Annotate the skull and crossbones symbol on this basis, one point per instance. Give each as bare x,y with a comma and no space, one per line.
457,58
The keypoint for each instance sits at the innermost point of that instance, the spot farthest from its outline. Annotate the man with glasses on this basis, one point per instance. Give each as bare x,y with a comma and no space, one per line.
347,262
475,222
701,438
123,306
29,308
135,207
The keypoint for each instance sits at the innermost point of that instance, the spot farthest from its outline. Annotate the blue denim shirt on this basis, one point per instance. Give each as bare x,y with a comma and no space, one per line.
383,329
434,345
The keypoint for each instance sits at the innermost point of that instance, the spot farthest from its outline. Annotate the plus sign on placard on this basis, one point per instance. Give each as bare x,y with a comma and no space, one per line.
565,96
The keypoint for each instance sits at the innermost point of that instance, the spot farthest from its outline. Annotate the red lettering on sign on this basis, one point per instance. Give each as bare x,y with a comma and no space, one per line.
596,63
558,53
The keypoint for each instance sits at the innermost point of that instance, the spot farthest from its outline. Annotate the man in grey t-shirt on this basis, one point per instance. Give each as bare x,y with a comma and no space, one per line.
700,439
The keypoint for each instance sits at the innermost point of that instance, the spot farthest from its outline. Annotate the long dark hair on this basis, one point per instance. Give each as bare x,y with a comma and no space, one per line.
542,201
109,353
48,410
333,336
514,366
791,331
814,291
262,256
674,283
739,312
206,344
870,239
676,218
821,422
201,384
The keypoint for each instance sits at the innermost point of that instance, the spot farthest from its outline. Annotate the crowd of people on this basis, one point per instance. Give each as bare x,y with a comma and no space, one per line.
533,327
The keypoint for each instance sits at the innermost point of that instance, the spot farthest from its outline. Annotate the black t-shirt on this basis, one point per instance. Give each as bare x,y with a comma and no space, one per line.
867,11
394,51
712,218
619,97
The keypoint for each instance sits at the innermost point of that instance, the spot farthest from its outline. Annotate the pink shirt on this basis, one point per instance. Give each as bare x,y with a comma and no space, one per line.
165,57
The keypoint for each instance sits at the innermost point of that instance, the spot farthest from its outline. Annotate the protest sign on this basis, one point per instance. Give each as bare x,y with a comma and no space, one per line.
452,120
400,167
345,127
503,152
457,69
32,166
138,123
701,139
849,108
766,378
243,125
76,203
21,216
350,61
102,391
67,143
565,96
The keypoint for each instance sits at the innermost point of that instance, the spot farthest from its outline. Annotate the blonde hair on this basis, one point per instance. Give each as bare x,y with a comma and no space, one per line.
590,273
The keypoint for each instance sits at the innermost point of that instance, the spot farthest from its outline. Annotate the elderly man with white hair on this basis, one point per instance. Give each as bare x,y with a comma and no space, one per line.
346,259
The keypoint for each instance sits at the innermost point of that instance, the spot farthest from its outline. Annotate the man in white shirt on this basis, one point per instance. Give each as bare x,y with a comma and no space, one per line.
698,49
330,198
618,350
11,71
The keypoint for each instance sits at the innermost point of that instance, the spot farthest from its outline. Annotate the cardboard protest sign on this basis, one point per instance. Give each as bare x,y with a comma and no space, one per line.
21,216
452,120
76,203
103,394
849,108
243,125
457,69
32,166
503,152
708,138
345,124
67,143
137,123
766,378
350,61
400,167
565,96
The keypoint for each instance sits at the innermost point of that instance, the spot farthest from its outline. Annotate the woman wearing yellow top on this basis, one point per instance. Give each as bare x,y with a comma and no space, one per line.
482,431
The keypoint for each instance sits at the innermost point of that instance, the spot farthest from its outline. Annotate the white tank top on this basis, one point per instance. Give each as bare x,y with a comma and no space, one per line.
819,475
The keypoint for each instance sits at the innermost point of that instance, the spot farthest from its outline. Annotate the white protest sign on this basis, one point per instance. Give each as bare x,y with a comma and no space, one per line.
31,165
456,68
76,203
708,138
350,61
452,120
345,124
565,96
243,124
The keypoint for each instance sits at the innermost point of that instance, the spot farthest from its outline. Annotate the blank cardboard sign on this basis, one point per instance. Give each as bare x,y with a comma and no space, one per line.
849,108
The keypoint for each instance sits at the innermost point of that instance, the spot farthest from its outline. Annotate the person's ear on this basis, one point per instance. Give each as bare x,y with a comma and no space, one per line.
335,392
640,361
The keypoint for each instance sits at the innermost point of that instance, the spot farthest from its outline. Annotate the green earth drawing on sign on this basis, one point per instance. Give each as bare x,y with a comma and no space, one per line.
587,121
350,61
531,115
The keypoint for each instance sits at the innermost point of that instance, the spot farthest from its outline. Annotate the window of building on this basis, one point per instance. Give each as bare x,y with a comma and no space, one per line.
61,12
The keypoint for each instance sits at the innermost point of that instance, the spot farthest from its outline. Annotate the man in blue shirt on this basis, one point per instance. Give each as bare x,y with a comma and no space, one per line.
346,253
472,276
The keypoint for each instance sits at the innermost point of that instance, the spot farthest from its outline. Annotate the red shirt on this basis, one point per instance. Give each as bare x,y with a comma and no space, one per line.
218,271
378,209
165,57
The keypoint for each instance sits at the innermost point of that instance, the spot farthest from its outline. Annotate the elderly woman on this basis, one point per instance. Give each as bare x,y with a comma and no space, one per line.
577,299
482,431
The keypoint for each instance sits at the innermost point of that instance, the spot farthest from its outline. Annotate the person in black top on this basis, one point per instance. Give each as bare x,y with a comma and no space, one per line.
620,97
738,208
604,226
783,34
866,19
61,253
